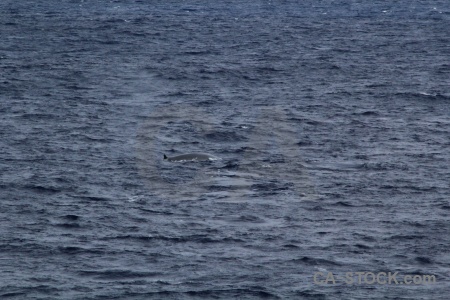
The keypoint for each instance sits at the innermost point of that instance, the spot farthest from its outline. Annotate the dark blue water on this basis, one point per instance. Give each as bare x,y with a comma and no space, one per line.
331,119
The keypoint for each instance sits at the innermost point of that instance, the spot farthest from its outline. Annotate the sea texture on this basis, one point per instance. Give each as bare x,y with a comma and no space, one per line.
331,120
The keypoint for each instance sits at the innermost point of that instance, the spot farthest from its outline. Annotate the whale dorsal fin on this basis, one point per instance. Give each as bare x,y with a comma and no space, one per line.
165,157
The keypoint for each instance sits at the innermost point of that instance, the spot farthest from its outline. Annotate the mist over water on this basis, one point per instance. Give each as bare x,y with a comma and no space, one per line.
331,120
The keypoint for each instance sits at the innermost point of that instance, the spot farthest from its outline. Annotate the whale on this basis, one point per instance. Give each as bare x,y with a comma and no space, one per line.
190,157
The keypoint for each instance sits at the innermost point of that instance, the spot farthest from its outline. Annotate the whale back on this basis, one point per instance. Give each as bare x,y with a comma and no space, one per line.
190,156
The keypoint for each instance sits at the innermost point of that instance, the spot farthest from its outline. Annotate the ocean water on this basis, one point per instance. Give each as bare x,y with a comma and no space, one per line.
331,119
